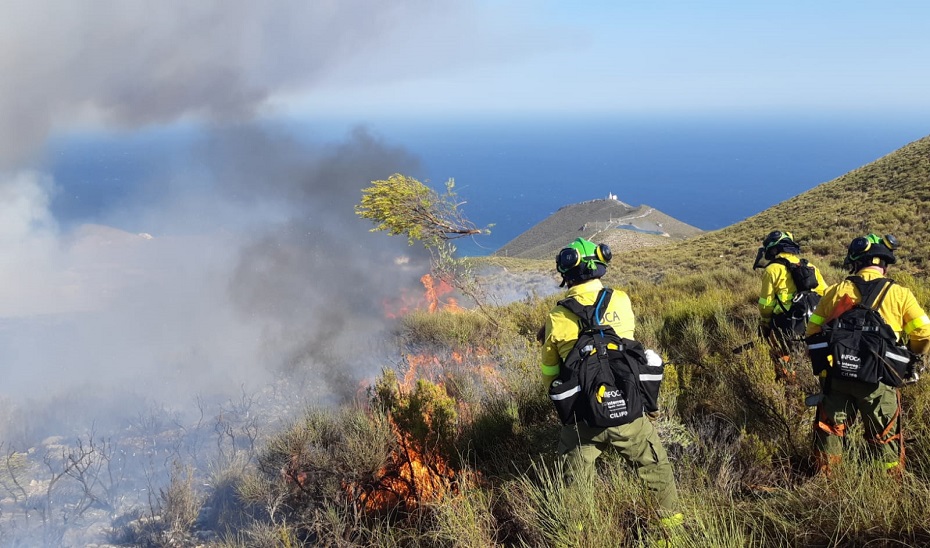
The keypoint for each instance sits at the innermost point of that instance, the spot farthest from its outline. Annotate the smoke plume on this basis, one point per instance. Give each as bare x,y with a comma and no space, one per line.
237,262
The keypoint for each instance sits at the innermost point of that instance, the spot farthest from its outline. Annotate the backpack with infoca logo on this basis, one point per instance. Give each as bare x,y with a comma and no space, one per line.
794,316
605,380
858,344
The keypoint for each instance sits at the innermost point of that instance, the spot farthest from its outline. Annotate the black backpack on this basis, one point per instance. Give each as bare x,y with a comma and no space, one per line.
858,344
605,380
794,316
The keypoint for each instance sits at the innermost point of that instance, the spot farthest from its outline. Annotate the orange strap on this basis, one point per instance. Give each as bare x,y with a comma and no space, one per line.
826,425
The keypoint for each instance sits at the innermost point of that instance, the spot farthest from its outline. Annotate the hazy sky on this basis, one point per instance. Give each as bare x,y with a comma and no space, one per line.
607,56
127,63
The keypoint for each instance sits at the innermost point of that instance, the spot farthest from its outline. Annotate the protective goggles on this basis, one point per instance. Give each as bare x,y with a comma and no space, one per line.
775,237
860,246
570,257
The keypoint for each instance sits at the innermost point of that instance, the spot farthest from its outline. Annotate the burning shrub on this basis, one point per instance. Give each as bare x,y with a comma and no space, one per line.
424,423
305,470
428,415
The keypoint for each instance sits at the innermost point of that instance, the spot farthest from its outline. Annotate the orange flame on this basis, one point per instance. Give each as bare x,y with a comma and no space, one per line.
436,296
412,477
435,291
415,474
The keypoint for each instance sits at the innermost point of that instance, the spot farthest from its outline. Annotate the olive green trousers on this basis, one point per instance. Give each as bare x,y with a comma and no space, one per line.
638,443
878,406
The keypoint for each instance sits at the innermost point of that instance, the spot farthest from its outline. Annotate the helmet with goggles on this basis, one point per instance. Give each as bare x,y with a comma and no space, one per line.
870,250
582,260
778,241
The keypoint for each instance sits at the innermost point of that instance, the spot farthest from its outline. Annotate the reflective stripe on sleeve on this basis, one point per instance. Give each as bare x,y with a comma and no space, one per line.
916,323
816,346
766,302
549,370
816,320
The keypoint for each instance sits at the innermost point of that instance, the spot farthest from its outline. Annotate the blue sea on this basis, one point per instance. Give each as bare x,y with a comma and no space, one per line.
708,171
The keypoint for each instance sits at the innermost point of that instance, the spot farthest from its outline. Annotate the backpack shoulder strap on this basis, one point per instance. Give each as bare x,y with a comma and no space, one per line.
591,314
782,261
883,292
873,292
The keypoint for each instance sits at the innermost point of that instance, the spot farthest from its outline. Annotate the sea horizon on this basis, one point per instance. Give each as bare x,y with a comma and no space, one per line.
707,171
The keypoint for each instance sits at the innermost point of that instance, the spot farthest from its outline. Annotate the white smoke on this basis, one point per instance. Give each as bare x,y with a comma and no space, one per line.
29,245
259,269
234,281
240,266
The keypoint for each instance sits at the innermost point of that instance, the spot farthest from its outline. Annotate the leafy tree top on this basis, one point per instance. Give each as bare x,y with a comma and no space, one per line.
403,205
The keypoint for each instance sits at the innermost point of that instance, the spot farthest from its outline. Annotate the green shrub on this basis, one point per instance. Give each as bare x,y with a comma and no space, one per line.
447,329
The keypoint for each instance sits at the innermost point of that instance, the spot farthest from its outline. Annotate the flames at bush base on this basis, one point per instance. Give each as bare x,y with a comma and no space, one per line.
422,414
424,419
413,476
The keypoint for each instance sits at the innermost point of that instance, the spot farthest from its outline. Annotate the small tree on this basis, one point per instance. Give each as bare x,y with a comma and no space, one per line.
402,205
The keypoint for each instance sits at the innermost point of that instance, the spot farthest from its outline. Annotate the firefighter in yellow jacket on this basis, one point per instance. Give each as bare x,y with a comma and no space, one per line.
878,404
581,265
778,251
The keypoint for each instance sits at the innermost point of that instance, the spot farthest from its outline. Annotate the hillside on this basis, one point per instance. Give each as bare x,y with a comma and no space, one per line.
605,220
455,442
737,433
889,195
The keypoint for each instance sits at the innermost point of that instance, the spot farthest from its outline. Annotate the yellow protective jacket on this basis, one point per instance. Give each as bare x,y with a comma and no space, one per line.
563,327
778,286
899,309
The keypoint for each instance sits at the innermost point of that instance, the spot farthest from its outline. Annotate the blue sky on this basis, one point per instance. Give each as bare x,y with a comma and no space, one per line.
670,57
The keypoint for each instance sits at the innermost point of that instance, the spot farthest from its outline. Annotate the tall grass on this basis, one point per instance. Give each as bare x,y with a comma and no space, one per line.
738,434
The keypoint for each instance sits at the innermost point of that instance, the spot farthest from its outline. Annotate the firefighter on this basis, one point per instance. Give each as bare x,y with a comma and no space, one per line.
783,308
581,266
877,403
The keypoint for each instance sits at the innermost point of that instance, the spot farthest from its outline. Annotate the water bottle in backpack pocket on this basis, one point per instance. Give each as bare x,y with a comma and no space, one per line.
646,365
651,374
